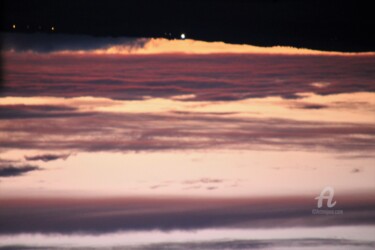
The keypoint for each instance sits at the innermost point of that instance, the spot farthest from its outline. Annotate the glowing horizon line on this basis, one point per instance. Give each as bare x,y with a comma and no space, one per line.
195,47
156,46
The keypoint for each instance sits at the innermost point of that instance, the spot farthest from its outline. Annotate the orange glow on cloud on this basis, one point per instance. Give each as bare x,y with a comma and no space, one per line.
340,107
188,46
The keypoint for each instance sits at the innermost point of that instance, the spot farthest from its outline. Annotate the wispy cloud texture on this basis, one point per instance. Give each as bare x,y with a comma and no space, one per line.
47,157
149,132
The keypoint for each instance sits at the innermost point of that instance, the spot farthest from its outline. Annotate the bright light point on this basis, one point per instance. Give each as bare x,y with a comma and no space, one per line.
320,84
13,26
182,36
52,28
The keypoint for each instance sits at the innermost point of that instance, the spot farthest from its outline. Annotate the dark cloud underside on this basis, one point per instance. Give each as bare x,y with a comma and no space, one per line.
47,157
9,112
109,215
8,170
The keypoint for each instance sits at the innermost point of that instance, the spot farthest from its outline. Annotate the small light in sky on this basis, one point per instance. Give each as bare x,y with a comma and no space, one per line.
183,36
13,26
53,28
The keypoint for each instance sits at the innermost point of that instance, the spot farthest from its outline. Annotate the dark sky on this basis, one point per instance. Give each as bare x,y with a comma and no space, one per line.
325,25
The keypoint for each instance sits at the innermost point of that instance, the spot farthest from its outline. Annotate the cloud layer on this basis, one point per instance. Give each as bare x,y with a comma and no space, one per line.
121,132
109,215
216,77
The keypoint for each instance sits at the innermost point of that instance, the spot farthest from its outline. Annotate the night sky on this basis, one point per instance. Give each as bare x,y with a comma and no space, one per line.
322,25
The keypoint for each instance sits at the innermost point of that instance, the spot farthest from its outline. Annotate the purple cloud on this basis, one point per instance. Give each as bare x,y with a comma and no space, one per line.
215,77
181,213
47,157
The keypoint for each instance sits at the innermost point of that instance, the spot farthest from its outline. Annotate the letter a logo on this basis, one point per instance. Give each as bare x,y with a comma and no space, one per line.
326,194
